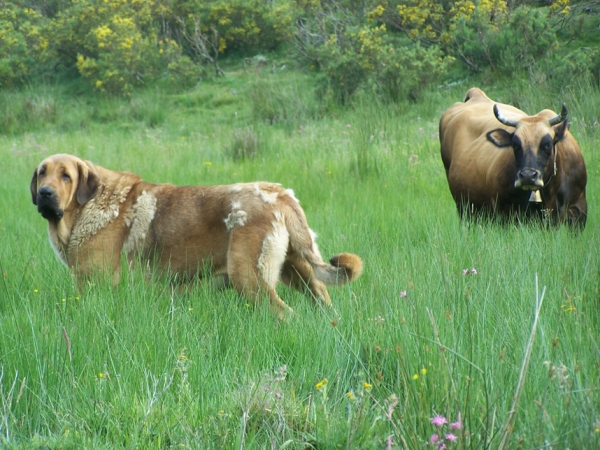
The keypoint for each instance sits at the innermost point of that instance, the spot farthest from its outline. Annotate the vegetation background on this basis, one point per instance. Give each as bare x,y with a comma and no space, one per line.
339,101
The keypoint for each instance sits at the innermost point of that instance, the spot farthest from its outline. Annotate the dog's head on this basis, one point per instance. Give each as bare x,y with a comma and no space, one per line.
62,183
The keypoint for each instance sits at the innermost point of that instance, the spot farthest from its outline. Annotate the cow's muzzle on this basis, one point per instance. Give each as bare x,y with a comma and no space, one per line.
47,203
529,180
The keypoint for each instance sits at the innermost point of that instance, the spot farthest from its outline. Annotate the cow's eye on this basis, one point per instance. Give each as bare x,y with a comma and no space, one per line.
546,149
66,177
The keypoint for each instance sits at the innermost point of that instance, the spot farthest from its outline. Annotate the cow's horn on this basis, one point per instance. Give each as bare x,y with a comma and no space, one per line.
560,118
503,119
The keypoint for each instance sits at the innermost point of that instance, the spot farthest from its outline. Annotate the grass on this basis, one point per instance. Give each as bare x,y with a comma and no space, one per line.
142,366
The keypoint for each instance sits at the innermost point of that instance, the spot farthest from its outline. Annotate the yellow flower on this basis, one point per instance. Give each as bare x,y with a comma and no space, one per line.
100,375
350,395
416,376
99,83
35,290
321,383
207,163
423,371
367,385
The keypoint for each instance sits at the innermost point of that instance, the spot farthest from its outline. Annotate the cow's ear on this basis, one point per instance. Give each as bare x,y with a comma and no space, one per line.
561,130
33,187
88,184
500,138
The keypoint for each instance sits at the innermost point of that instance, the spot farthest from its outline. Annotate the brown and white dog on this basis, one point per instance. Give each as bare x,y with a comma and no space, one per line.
250,235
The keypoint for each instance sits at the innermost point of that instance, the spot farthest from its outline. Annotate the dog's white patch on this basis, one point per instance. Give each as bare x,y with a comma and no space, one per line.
58,249
235,205
274,250
266,197
315,247
236,188
97,214
236,218
138,218
290,193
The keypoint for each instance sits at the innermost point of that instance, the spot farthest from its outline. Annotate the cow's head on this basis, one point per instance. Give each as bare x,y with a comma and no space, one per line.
534,144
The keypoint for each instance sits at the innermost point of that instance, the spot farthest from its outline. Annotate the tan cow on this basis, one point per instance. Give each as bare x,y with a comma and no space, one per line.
501,162
249,235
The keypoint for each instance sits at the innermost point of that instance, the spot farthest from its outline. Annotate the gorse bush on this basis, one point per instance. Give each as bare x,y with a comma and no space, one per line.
352,55
24,45
505,44
119,45
391,47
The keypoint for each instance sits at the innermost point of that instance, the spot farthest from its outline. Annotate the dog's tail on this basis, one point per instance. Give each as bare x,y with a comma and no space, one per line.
341,269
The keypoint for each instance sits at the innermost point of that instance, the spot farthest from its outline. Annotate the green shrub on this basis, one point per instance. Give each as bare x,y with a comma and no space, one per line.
278,99
371,58
244,144
23,43
506,44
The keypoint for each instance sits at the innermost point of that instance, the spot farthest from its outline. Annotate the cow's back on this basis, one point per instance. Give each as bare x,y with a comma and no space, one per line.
472,163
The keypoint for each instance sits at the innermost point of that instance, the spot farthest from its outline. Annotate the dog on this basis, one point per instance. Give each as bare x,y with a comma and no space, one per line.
248,235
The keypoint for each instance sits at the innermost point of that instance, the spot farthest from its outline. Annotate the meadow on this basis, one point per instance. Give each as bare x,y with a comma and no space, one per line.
494,327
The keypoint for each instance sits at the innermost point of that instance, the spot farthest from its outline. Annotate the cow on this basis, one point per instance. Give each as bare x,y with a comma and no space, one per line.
507,165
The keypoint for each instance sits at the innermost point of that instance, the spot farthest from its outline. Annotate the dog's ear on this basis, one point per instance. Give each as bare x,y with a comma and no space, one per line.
88,183
33,187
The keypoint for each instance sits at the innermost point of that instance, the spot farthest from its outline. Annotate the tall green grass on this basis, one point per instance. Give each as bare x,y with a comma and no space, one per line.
145,366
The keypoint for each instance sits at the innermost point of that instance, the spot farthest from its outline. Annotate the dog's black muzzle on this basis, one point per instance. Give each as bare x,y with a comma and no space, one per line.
47,204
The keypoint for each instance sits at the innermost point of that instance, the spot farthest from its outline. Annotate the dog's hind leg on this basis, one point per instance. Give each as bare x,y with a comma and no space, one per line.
254,264
299,274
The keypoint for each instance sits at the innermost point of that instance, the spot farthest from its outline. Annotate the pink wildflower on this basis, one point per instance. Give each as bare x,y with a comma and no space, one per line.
474,271
403,294
389,443
433,439
450,437
465,271
439,420
455,426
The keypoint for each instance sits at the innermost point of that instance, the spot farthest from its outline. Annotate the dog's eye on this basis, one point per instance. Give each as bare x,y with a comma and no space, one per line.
66,177
41,174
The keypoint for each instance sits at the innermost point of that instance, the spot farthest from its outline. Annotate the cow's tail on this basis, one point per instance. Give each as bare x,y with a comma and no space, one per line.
342,268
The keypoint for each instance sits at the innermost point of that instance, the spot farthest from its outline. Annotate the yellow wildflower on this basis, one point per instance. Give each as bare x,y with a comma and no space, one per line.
321,384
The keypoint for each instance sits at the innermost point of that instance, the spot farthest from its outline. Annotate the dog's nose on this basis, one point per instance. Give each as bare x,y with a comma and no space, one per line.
45,192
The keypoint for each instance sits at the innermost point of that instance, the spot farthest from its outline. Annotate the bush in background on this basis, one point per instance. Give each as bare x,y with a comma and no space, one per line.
244,144
24,46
